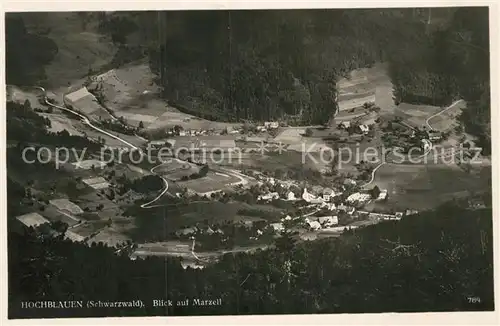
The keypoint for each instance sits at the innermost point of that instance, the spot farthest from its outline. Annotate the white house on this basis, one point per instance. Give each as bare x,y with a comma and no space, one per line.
311,198
328,194
358,197
269,196
345,124
271,124
328,221
382,195
291,196
278,227
364,129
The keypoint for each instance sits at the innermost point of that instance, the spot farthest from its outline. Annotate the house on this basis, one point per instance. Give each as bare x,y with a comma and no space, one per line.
434,135
364,129
269,196
277,227
313,225
311,198
271,124
345,125
182,133
328,194
382,195
75,237
291,196
327,221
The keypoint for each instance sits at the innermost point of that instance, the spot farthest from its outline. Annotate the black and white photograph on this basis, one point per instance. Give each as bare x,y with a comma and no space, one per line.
248,162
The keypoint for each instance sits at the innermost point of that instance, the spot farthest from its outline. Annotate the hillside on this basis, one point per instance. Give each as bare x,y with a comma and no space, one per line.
431,262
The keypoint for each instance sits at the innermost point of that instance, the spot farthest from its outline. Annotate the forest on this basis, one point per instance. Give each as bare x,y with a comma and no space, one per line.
260,65
431,262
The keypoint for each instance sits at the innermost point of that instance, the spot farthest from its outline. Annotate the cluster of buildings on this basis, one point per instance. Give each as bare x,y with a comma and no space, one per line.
362,127
268,125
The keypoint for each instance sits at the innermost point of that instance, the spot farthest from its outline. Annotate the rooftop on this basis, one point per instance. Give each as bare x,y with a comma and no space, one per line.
32,219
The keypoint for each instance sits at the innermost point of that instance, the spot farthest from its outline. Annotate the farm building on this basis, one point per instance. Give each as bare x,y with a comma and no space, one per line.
82,100
434,135
75,237
382,195
271,124
97,183
345,124
364,128
32,219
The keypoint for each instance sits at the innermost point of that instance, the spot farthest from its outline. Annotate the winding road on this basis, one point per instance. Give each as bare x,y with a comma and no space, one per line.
87,122
441,112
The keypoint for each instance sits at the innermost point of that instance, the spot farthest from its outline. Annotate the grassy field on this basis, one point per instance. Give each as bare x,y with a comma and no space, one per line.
416,115
130,91
213,181
426,186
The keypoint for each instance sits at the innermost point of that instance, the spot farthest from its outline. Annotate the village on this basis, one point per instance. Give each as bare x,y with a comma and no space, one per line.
229,202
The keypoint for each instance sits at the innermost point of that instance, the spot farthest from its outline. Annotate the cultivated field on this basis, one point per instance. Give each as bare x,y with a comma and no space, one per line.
213,181
366,85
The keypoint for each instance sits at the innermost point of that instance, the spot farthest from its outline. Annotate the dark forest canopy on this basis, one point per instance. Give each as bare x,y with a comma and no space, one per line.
267,64
264,64
25,54
431,262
